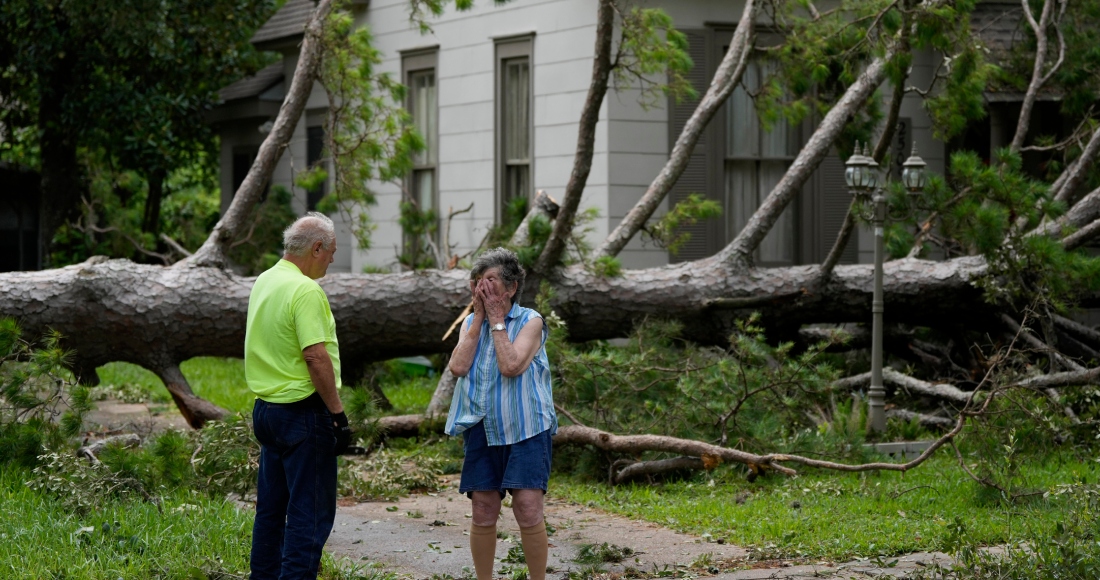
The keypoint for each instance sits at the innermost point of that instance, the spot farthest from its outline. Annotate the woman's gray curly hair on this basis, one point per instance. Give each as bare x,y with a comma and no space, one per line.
307,230
510,270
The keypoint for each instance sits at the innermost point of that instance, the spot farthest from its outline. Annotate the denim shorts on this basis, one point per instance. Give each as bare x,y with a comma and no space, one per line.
501,468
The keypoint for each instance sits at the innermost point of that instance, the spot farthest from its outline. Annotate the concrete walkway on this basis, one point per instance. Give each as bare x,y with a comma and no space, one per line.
427,535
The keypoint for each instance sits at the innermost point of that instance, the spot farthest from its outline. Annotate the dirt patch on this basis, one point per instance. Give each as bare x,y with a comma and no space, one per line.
114,416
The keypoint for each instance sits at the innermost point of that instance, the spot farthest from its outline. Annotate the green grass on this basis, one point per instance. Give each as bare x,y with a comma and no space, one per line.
218,380
221,381
838,515
133,540
411,394
195,537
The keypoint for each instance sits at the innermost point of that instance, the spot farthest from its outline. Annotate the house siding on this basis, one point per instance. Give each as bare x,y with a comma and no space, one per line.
632,138
563,35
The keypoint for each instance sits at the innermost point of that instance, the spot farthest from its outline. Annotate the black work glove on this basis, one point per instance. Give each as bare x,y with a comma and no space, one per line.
343,432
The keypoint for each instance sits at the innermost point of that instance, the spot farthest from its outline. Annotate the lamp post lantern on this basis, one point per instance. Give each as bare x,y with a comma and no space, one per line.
861,176
912,173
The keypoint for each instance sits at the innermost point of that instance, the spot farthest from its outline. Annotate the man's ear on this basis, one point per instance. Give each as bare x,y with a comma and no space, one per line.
318,247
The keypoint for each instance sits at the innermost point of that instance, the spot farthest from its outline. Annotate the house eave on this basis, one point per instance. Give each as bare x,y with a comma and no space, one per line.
243,110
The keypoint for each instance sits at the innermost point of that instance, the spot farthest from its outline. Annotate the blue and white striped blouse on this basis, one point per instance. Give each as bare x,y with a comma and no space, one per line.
513,408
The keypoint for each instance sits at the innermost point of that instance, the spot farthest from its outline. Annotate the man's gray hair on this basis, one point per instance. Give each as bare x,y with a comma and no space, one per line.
511,272
307,230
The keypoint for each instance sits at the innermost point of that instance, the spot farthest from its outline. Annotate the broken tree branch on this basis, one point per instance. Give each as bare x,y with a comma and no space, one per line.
1081,236
213,250
1089,335
1062,189
939,391
740,250
1063,379
1038,75
725,79
643,468
586,140
925,420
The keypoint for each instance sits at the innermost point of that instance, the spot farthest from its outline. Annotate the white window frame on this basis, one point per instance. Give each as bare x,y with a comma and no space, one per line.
510,49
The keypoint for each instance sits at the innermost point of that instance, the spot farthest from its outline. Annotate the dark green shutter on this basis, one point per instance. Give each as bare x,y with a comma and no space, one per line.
705,236
832,199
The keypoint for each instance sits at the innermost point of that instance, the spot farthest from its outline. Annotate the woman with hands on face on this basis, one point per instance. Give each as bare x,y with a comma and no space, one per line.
503,407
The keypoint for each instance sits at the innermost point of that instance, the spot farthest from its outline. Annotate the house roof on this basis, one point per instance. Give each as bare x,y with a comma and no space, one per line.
252,86
999,25
288,22
1001,28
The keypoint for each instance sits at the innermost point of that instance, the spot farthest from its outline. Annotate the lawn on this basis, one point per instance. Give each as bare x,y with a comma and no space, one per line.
218,380
814,515
843,515
221,381
195,537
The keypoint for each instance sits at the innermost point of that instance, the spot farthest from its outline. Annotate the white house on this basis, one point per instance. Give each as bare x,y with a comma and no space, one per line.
497,92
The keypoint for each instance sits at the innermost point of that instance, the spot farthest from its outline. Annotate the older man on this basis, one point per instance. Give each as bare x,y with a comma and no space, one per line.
292,364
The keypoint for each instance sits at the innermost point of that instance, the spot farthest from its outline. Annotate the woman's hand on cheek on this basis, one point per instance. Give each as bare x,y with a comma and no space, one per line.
478,302
496,305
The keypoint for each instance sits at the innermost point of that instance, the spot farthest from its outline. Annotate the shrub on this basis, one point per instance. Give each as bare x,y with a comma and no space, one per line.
41,405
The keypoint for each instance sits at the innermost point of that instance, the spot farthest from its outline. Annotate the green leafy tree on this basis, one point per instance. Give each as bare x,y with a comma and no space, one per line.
130,78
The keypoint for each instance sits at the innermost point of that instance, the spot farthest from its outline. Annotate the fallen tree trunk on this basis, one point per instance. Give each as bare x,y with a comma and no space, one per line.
157,317
119,310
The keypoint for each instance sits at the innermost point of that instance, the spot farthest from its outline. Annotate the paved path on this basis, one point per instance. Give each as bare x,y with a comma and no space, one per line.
427,535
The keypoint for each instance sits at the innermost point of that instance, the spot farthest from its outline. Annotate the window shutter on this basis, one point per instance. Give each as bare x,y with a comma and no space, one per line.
696,177
834,199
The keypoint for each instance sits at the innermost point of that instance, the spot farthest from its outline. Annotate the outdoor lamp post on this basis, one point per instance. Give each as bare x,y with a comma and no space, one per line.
861,176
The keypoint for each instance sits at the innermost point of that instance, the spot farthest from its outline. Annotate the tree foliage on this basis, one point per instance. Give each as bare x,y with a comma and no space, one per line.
369,135
127,81
41,405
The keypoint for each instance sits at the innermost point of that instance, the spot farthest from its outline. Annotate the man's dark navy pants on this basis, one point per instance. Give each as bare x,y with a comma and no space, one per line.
296,494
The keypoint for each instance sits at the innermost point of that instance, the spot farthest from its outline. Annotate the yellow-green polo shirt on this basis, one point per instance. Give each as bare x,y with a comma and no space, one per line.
287,311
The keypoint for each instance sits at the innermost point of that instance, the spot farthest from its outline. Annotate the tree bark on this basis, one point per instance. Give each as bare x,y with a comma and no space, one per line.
643,468
62,182
1067,183
1081,214
441,398
213,252
725,79
151,221
925,420
586,140
1038,76
157,317
942,391
1082,236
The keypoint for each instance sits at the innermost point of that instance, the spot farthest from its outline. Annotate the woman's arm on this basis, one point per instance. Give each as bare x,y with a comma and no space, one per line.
514,357
463,355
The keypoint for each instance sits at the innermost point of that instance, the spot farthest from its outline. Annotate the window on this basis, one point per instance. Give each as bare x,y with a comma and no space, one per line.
514,150
739,160
756,158
422,184
243,158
